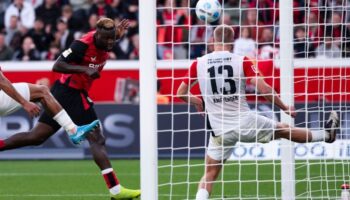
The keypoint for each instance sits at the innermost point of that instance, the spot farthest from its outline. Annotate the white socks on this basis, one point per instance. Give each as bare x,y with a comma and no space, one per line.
115,190
63,119
319,136
202,194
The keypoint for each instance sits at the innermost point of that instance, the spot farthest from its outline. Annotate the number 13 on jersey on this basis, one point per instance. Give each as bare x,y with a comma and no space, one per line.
219,77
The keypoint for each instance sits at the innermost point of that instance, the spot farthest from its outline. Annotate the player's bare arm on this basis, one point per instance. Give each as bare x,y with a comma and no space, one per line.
270,94
185,95
31,108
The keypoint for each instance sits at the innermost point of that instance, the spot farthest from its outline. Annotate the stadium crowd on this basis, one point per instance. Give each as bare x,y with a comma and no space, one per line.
41,29
322,28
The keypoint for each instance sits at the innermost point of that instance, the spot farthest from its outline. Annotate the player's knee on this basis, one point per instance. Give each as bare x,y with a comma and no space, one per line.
44,90
41,92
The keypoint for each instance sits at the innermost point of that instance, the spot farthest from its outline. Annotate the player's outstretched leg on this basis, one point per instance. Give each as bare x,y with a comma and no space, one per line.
98,150
302,135
82,131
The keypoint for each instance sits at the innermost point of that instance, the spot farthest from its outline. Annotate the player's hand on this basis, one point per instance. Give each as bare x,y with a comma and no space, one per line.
121,28
32,109
198,104
291,111
92,72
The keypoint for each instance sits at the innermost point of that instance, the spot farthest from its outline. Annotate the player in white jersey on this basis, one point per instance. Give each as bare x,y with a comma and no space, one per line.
17,95
222,78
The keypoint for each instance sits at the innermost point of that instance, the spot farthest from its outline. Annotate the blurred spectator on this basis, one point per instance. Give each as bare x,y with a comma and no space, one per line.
346,44
16,41
328,49
91,25
80,5
118,6
53,53
101,9
12,29
134,55
255,27
27,52
299,14
40,37
337,30
302,45
74,22
49,12
35,3
313,28
233,9
3,6
267,47
122,49
161,99
225,19
173,23
131,12
6,52
267,11
244,45
64,37
335,26
24,11
200,34
339,6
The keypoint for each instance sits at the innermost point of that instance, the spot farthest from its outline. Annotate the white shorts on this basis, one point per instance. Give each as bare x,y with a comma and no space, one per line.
253,128
9,105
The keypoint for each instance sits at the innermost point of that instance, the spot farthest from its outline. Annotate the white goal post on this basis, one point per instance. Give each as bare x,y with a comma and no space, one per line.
287,96
148,104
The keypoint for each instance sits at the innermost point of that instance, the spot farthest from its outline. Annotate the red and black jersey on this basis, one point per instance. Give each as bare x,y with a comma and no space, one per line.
83,52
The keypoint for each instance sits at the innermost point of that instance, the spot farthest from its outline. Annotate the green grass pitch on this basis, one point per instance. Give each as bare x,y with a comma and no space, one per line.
178,179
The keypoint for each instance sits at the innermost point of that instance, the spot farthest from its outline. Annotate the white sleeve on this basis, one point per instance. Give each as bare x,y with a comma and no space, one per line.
10,11
28,16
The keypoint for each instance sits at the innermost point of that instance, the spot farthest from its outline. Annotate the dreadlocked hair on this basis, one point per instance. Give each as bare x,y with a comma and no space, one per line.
105,24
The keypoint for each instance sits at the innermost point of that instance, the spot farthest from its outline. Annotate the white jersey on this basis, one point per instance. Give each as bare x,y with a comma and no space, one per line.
222,79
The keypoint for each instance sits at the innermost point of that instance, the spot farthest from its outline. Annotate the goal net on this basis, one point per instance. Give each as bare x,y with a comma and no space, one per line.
321,82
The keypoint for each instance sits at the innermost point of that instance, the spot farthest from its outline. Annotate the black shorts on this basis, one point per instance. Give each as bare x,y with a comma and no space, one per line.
76,102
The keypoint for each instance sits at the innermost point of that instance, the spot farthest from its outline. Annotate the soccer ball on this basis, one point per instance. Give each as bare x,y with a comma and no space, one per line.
208,10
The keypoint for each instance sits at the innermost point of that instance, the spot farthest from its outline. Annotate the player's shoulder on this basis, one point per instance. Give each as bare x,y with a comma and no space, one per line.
88,38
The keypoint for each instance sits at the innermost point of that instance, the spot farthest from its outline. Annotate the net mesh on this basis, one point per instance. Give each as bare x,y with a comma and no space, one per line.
321,84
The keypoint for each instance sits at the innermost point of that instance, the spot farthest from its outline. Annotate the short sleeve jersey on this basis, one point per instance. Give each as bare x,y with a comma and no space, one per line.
83,52
222,78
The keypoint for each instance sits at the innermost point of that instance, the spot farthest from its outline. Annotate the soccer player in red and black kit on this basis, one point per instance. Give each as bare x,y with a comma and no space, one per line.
80,65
